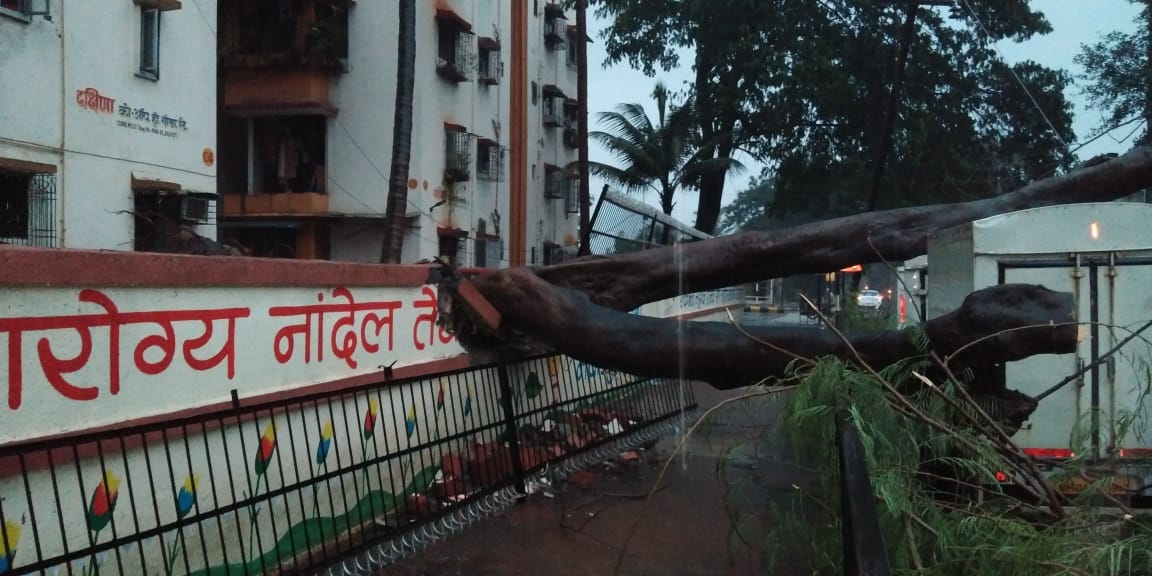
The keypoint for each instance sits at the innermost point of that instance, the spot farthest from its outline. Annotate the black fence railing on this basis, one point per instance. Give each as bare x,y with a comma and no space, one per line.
864,551
346,480
621,224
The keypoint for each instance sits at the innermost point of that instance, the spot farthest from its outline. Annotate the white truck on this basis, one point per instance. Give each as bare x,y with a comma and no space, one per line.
1102,254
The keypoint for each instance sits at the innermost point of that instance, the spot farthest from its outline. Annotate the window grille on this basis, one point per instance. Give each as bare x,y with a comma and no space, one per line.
27,208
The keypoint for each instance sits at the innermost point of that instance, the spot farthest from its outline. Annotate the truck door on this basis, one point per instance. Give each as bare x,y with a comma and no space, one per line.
1125,302
1048,432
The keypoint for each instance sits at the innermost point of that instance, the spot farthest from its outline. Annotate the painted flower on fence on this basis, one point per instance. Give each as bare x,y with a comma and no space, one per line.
103,502
468,401
325,443
9,538
410,421
265,450
186,497
370,419
440,397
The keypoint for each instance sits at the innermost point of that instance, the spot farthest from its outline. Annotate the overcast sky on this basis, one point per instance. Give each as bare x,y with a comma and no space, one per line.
1074,22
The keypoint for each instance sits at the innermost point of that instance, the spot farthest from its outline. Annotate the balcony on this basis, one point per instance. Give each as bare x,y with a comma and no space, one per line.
277,56
553,105
457,153
282,92
555,27
281,204
273,166
456,58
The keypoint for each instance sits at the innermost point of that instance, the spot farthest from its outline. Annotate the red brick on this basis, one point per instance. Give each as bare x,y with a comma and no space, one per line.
452,466
417,505
490,469
448,487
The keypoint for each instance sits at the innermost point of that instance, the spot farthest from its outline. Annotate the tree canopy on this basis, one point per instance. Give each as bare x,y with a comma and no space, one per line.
802,85
1118,71
662,156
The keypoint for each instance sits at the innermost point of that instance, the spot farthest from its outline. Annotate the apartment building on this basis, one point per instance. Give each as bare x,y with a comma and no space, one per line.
107,121
305,130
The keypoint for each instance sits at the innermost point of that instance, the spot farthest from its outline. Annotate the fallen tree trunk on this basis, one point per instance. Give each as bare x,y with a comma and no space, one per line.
575,308
625,281
1011,322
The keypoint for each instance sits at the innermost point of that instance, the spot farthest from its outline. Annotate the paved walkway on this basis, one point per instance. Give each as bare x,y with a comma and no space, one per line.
684,530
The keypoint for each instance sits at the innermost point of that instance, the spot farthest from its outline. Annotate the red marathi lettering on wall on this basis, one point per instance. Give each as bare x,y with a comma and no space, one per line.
344,338
429,303
56,368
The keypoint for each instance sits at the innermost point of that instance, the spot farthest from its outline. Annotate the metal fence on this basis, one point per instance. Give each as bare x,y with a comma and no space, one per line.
621,224
865,553
345,481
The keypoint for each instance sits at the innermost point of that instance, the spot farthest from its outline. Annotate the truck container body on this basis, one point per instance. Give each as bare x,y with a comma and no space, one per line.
1101,253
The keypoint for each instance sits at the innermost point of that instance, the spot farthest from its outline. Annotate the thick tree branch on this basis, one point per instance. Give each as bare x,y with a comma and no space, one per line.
626,281
1017,321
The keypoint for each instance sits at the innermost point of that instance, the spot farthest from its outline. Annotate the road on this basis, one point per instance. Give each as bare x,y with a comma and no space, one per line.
787,318
681,519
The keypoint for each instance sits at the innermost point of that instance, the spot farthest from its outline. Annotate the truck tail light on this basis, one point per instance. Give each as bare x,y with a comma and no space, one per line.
1050,452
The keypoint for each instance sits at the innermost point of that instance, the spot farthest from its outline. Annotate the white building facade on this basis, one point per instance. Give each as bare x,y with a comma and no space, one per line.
107,124
306,130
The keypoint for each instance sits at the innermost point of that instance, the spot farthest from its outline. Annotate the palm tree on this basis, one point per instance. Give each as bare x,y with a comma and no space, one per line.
663,157
396,208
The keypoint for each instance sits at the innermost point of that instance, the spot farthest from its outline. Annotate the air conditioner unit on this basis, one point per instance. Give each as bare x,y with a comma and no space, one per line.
195,209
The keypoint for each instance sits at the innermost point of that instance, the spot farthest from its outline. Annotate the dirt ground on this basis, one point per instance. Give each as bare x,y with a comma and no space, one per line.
682,529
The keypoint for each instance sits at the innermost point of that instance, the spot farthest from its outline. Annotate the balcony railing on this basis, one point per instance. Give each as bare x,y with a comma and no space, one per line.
299,203
457,153
456,53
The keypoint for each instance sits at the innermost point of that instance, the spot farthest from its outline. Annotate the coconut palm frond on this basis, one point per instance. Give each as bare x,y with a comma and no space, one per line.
629,182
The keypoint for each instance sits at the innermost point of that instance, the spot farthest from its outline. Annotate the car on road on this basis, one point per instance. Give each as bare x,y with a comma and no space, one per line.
869,299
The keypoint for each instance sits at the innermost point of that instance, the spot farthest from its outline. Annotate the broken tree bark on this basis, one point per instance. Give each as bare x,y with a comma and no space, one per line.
1015,321
625,281
576,308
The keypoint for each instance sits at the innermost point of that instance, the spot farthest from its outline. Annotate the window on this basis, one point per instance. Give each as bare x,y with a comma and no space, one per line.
489,251
17,8
455,59
150,43
555,27
571,55
554,253
555,186
161,208
572,199
553,106
571,123
27,203
489,61
489,161
457,153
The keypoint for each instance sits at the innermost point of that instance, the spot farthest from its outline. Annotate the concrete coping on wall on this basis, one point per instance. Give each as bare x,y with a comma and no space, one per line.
55,267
